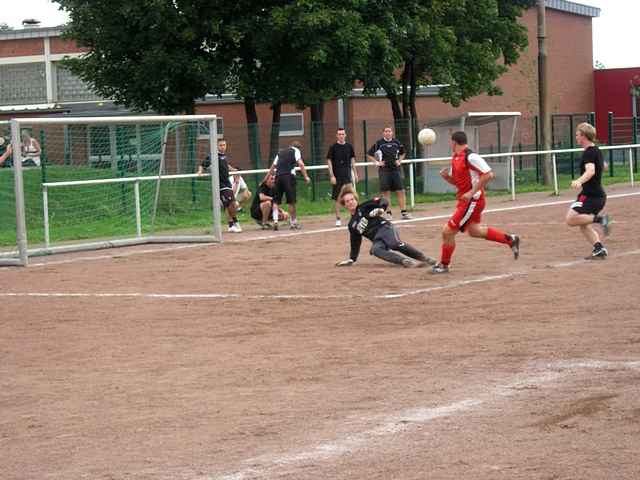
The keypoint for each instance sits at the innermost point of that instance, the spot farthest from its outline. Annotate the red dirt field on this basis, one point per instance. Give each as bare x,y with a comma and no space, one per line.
258,359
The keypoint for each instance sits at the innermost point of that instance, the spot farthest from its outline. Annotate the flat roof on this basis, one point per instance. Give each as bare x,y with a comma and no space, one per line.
573,7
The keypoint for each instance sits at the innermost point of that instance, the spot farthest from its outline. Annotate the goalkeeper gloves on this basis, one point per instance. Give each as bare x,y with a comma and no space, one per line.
376,212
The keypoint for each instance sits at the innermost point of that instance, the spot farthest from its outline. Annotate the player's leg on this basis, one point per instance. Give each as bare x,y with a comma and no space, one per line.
398,186
495,235
229,204
449,231
379,249
387,240
278,190
335,191
471,224
583,213
446,250
392,239
386,186
265,211
291,202
243,197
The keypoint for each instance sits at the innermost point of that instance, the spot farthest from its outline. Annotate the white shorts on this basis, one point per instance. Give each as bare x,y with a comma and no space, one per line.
242,185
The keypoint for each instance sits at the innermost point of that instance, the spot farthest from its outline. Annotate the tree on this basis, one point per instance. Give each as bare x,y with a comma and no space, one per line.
314,52
327,44
465,46
146,55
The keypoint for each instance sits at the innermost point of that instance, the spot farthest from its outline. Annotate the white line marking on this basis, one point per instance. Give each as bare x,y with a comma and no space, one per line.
305,232
384,296
270,466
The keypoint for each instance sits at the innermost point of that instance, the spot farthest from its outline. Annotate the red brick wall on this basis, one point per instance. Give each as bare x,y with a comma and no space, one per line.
21,48
570,53
58,45
612,94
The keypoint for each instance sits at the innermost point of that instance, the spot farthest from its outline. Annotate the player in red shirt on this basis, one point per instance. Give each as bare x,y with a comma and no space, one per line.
469,173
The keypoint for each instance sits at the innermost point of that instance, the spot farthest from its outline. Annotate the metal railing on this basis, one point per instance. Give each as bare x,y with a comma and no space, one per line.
137,180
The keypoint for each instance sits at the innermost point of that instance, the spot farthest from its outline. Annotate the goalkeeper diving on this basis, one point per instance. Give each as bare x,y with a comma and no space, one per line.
369,220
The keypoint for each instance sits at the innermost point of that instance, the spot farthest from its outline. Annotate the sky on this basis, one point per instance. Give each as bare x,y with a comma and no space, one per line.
614,44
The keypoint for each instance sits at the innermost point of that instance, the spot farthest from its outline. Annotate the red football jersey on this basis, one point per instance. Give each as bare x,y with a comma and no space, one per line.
466,168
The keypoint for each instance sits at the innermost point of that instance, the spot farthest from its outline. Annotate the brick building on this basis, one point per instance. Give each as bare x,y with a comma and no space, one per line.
32,82
613,95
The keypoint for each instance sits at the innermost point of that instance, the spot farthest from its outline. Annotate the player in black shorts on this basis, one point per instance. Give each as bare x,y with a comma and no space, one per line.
585,211
226,191
262,205
368,220
341,160
387,154
283,168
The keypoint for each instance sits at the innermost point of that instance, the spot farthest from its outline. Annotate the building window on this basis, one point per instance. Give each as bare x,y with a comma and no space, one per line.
23,84
203,128
70,88
291,124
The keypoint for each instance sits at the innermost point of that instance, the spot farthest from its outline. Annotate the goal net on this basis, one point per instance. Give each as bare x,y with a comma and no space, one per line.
87,183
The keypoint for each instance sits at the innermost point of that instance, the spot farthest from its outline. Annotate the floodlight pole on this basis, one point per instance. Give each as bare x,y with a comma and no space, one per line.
543,94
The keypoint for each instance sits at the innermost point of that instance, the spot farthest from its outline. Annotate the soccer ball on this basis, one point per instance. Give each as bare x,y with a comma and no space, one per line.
1,141
426,136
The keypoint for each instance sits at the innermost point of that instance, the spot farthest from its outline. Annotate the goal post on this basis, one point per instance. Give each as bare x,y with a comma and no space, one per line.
84,183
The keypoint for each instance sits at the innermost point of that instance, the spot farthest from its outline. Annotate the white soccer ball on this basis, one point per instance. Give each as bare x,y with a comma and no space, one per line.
426,136
1,141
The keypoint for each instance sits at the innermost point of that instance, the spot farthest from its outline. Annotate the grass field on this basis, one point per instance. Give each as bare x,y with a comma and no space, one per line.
108,211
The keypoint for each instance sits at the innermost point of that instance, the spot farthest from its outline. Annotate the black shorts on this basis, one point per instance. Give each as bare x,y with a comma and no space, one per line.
285,186
340,182
226,197
589,205
256,213
390,180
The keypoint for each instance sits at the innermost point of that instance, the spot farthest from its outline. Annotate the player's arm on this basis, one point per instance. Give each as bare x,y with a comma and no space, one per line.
482,181
371,155
206,163
332,177
272,169
444,173
354,172
401,155
36,144
356,242
382,203
264,197
303,170
375,207
6,154
589,172
486,175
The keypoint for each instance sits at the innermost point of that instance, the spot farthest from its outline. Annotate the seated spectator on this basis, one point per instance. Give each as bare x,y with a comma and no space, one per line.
5,153
30,150
241,191
262,205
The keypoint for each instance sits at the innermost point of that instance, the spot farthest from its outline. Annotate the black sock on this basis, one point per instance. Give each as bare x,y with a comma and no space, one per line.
597,246
597,219
234,219
231,223
403,211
